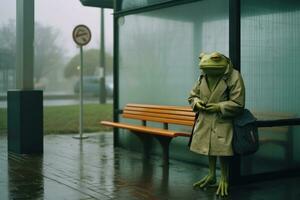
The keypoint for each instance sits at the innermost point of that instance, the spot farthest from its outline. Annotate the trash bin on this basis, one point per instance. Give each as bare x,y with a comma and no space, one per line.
25,121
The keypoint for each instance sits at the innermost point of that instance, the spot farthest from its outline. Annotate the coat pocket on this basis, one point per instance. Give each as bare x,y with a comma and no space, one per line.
223,129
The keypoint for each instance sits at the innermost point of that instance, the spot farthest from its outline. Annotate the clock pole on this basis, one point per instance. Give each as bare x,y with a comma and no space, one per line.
81,94
81,36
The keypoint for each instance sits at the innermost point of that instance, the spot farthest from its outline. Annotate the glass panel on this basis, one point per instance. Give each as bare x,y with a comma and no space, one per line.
159,51
7,56
57,64
270,46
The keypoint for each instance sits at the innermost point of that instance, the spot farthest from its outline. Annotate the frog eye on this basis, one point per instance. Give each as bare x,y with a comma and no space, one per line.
201,55
216,57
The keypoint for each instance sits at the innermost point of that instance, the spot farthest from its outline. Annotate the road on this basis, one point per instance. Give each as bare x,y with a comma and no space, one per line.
61,102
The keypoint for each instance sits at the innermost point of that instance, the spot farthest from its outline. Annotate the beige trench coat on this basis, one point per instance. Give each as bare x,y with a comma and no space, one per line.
213,132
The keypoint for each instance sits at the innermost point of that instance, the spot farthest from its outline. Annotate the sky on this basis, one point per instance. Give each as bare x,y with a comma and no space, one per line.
64,15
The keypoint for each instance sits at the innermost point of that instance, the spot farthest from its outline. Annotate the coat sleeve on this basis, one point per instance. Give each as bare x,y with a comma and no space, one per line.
236,102
194,95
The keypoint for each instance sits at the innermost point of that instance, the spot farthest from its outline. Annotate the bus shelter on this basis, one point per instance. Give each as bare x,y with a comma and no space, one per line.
156,50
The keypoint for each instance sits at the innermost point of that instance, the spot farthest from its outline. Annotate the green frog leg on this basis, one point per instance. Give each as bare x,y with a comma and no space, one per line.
224,182
209,179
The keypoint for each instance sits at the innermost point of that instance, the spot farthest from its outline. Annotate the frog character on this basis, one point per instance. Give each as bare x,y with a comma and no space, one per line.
217,97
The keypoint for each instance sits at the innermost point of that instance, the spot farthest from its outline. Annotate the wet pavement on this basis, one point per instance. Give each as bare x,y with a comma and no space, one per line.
93,169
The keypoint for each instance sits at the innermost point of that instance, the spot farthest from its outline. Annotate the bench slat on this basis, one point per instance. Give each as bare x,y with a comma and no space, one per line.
157,110
272,115
179,108
156,119
282,129
163,116
144,129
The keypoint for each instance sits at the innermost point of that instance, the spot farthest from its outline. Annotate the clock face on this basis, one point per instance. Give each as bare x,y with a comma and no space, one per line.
82,35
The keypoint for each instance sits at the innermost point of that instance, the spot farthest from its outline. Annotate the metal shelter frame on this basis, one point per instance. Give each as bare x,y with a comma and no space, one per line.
26,76
235,55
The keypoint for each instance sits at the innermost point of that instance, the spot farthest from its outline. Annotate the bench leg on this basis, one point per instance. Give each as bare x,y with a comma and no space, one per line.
289,147
147,143
165,143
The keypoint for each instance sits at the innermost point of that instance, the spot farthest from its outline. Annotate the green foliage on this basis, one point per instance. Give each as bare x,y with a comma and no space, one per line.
65,119
48,54
7,59
8,36
8,45
91,60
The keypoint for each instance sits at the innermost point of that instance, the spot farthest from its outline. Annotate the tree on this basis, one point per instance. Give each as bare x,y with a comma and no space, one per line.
47,54
8,36
90,63
7,45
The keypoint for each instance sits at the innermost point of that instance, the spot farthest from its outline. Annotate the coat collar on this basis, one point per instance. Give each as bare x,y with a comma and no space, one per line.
218,92
204,88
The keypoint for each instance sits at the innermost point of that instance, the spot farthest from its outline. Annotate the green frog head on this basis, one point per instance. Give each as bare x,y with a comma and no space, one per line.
214,64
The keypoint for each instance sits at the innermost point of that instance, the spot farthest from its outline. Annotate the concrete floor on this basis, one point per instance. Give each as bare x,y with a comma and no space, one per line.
93,169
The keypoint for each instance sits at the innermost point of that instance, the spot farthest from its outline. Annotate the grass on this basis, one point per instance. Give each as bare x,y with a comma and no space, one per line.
65,119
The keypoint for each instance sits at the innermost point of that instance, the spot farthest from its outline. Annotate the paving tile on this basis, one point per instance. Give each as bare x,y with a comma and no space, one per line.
94,169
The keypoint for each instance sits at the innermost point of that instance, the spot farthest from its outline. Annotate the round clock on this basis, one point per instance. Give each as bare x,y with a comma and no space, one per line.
82,35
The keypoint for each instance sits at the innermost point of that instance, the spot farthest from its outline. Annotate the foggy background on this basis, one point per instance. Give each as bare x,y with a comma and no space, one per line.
56,55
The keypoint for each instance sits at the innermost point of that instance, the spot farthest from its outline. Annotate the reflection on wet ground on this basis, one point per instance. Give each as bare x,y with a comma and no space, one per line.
93,169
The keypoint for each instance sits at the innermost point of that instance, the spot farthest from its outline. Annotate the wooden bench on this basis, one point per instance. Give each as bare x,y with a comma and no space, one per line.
284,133
165,115
183,115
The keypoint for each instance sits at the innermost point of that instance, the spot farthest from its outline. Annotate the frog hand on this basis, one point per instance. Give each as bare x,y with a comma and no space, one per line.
200,106
213,108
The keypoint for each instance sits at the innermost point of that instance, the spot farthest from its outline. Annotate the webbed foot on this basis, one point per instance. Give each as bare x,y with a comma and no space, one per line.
222,188
206,181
